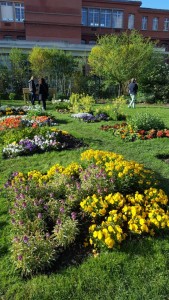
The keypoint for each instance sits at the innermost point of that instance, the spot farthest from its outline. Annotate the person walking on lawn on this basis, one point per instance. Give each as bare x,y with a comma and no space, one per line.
133,88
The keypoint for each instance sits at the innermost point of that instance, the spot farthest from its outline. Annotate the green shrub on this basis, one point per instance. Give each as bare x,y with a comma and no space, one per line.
37,111
12,96
62,105
81,103
114,110
146,121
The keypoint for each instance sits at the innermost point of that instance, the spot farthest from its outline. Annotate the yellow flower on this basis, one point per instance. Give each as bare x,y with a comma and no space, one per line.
95,234
110,229
109,242
100,235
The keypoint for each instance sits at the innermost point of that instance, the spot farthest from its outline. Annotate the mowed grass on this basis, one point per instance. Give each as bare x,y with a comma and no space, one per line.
138,270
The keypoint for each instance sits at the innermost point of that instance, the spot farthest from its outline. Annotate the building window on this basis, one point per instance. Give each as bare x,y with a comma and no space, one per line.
19,12
20,37
117,19
155,24
144,23
92,42
166,24
7,13
131,21
8,37
84,16
105,18
93,17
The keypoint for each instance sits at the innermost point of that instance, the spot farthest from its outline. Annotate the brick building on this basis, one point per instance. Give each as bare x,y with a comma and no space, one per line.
80,21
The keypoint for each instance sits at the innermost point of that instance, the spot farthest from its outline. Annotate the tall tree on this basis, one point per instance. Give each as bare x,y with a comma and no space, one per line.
19,68
39,59
118,58
55,64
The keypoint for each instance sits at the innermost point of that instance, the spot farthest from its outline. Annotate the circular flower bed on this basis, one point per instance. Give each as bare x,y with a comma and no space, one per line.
113,198
51,139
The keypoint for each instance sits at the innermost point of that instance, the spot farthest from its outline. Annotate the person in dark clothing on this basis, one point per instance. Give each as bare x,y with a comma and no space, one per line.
32,90
133,88
43,92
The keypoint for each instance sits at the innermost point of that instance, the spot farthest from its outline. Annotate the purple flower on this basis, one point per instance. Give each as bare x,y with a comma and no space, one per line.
39,216
7,184
25,239
22,196
59,222
19,257
15,174
12,212
15,239
62,209
45,207
73,215
20,223
78,186
41,201
24,204
27,188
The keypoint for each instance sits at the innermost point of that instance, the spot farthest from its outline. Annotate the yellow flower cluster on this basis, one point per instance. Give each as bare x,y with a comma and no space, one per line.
72,170
108,234
115,165
97,206
99,157
55,169
20,177
136,213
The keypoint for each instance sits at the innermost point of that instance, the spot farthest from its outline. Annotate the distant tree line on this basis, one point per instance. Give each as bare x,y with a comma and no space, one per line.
105,73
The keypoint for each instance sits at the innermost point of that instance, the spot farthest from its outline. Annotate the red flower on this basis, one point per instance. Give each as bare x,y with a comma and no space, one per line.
160,133
166,132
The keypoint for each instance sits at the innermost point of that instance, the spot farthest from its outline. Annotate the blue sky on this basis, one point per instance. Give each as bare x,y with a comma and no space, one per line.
163,4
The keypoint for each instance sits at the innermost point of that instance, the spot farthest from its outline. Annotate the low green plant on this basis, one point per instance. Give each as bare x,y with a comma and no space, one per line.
62,105
81,103
114,110
12,96
146,121
117,105
37,111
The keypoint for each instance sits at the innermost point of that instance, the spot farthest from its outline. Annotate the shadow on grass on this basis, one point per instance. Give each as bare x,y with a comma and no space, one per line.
62,121
93,141
3,251
164,182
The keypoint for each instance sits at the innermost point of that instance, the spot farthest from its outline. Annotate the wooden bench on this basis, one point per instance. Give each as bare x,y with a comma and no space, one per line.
26,94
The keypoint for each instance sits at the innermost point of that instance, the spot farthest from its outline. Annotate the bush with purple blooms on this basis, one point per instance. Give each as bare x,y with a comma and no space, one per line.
42,225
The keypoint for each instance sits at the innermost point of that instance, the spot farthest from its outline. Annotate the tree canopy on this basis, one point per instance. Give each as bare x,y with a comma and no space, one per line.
118,58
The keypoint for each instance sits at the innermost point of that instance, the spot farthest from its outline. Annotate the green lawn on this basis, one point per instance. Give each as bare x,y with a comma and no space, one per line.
138,270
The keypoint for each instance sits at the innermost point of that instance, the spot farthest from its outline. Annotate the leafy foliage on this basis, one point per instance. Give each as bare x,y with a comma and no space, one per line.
117,58
81,103
146,121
